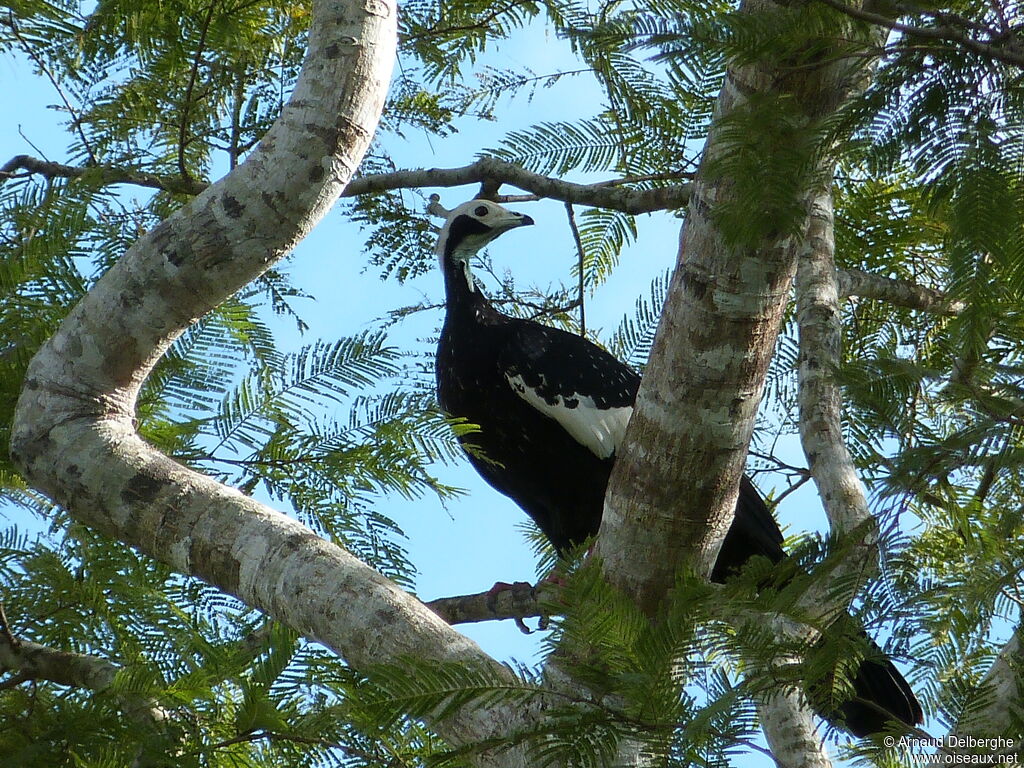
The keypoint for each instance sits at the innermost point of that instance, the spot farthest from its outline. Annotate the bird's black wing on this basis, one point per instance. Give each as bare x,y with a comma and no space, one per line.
571,380
556,362
752,509
591,394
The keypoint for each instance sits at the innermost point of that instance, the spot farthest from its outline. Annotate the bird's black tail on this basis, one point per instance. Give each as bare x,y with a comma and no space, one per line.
881,695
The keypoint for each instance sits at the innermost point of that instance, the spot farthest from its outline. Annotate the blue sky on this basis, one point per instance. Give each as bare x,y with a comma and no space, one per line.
473,542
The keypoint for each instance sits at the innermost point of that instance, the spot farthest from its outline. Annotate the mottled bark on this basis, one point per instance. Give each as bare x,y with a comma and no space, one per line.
790,732
700,393
821,407
74,436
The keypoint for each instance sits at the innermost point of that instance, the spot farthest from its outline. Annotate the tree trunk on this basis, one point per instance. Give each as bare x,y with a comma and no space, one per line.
673,490
674,486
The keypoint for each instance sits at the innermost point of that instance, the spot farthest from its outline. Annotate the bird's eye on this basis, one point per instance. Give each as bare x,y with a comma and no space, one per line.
480,210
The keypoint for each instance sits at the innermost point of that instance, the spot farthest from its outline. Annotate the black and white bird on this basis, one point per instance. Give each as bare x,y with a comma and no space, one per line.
552,408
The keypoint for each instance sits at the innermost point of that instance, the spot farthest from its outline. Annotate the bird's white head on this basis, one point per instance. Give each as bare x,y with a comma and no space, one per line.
472,225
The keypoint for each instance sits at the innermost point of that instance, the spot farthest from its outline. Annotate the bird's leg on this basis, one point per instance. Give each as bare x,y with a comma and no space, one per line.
556,576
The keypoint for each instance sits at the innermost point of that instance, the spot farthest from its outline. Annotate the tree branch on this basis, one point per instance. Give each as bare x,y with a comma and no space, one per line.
607,194
852,282
187,101
789,730
520,601
900,293
99,174
481,23
1009,53
497,172
580,259
820,399
5,629
32,661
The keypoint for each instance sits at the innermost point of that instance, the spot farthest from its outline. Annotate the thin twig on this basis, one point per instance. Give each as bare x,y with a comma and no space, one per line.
238,97
479,24
15,680
193,75
793,488
579,250
779,463
1003,23
261,735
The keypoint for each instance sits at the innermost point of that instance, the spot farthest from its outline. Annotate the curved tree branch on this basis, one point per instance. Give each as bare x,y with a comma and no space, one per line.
74,436
820,399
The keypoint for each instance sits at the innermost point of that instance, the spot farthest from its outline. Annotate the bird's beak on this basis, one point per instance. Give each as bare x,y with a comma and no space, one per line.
514,220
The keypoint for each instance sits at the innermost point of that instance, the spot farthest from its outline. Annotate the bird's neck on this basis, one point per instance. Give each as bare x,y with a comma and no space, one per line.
461,291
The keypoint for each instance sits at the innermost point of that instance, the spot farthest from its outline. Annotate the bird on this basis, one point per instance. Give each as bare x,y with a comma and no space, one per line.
551,409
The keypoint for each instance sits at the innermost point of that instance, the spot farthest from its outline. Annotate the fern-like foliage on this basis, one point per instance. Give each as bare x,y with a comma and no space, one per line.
634,337
557,148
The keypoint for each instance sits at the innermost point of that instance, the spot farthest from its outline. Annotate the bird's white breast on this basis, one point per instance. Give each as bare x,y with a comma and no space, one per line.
600,429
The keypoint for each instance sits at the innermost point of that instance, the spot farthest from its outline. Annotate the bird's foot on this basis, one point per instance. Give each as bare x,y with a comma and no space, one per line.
515,587
504,586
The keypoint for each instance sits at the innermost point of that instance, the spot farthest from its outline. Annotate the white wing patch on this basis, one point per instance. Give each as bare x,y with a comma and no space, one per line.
599,429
